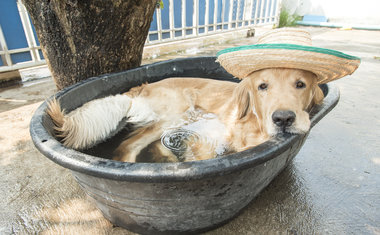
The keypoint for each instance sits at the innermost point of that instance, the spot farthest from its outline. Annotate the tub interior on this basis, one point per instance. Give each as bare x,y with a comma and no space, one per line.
110,84
149,155
178,140
191,127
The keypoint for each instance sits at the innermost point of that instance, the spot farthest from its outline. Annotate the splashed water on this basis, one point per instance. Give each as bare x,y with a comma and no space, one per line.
198,133
177,141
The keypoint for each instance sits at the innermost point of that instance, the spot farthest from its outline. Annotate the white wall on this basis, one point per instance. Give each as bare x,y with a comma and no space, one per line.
346,11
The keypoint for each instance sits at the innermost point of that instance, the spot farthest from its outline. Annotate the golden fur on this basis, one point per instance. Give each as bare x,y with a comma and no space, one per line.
246,109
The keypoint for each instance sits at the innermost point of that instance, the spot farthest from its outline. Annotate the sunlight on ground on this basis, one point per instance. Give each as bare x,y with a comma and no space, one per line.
12,100
374,230
75,216
14,132
376,160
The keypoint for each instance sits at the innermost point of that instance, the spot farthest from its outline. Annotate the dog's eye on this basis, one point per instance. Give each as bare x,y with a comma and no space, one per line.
300,85
263,86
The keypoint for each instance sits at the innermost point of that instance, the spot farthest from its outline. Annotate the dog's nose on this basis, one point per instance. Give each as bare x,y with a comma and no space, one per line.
283,118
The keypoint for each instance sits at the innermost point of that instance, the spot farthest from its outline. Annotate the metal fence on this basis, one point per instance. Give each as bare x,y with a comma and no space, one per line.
181,19
177,20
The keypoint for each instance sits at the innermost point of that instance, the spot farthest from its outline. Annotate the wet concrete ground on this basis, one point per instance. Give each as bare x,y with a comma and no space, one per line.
331,187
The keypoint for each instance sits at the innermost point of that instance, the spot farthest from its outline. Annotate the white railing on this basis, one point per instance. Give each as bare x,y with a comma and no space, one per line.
178,20
217,16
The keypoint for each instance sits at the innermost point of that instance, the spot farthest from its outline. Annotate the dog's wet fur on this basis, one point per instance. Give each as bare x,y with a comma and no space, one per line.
263,104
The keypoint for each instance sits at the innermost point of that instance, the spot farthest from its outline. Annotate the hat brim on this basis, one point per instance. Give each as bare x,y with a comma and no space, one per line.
327,64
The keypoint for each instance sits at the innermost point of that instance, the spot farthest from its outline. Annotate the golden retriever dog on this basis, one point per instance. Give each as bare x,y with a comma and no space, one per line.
236,116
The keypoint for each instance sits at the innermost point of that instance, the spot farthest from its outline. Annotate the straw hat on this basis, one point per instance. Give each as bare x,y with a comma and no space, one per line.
287,48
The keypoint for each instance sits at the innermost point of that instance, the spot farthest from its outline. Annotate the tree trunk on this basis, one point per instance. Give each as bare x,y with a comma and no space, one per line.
86,38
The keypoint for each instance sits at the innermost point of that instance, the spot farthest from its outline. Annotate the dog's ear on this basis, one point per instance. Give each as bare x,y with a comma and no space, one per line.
243,99
318,95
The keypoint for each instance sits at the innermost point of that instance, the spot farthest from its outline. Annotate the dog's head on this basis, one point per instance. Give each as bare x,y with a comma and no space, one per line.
280,98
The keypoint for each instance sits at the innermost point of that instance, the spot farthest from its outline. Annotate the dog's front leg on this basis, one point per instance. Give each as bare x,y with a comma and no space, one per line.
130,148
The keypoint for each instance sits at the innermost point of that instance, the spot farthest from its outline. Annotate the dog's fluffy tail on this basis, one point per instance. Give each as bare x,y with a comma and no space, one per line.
95,121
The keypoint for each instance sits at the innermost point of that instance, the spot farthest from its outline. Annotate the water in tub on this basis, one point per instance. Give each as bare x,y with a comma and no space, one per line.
198,135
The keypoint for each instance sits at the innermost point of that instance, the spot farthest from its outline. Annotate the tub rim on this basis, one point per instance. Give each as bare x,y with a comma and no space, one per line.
166,172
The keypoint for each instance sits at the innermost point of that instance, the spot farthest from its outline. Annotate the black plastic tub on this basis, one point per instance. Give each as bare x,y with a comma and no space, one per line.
168,198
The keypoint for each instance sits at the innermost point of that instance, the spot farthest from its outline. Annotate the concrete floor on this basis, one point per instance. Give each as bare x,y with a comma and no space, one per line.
332,186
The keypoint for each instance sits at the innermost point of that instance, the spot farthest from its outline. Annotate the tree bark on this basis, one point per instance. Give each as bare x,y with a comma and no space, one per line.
86,38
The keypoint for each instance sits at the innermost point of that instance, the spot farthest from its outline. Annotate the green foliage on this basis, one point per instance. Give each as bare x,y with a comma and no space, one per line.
160,4
287,20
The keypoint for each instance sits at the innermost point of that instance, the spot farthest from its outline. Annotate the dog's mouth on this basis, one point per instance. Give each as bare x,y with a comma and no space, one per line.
286,130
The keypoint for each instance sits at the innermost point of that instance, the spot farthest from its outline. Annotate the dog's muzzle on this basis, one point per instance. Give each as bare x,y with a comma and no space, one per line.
283,119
